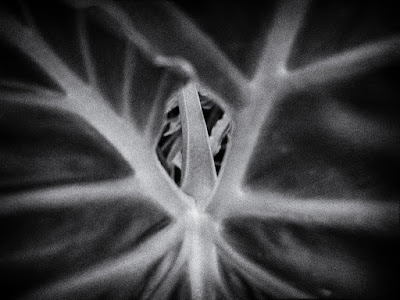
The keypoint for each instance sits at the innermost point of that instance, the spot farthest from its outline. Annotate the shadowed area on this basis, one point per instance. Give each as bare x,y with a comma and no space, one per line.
57,23
238,286
334,26
177,36
316,259
181,290
41,246
337,141
43,147
108,68
240,27
17,67
133,85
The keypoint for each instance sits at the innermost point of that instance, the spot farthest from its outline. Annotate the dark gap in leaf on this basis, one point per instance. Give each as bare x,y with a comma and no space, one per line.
220,155
211,111
177,175
170,144
173,113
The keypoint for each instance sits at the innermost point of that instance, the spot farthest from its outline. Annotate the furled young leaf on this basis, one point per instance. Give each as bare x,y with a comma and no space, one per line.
218,133
305,203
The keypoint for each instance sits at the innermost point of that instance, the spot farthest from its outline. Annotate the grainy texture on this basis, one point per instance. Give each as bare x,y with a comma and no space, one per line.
305,203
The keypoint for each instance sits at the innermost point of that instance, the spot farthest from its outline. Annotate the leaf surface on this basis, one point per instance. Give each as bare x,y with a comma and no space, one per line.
305,203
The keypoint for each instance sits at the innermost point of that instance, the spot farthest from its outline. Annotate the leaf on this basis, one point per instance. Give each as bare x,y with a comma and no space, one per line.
218,133
174,125
305,205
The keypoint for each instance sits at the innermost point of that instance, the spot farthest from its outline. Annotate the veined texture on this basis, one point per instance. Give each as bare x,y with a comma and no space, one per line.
305,203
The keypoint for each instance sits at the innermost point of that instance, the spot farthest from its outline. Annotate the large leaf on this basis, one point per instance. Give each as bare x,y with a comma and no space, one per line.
305,203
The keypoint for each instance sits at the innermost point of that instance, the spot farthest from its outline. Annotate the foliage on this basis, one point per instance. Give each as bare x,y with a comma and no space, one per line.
305,203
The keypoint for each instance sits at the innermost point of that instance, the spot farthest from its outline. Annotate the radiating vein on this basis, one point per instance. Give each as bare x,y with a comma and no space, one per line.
348,64
267,282
286,24
91,106
56,197
167,85
124,137
32,45
33,255
129,66
106,275
125,25
199,175
11,88
379,218
202,260
218,58
166,284
51,100
207,48
169,267
85,49
202,52
247,128
267,88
